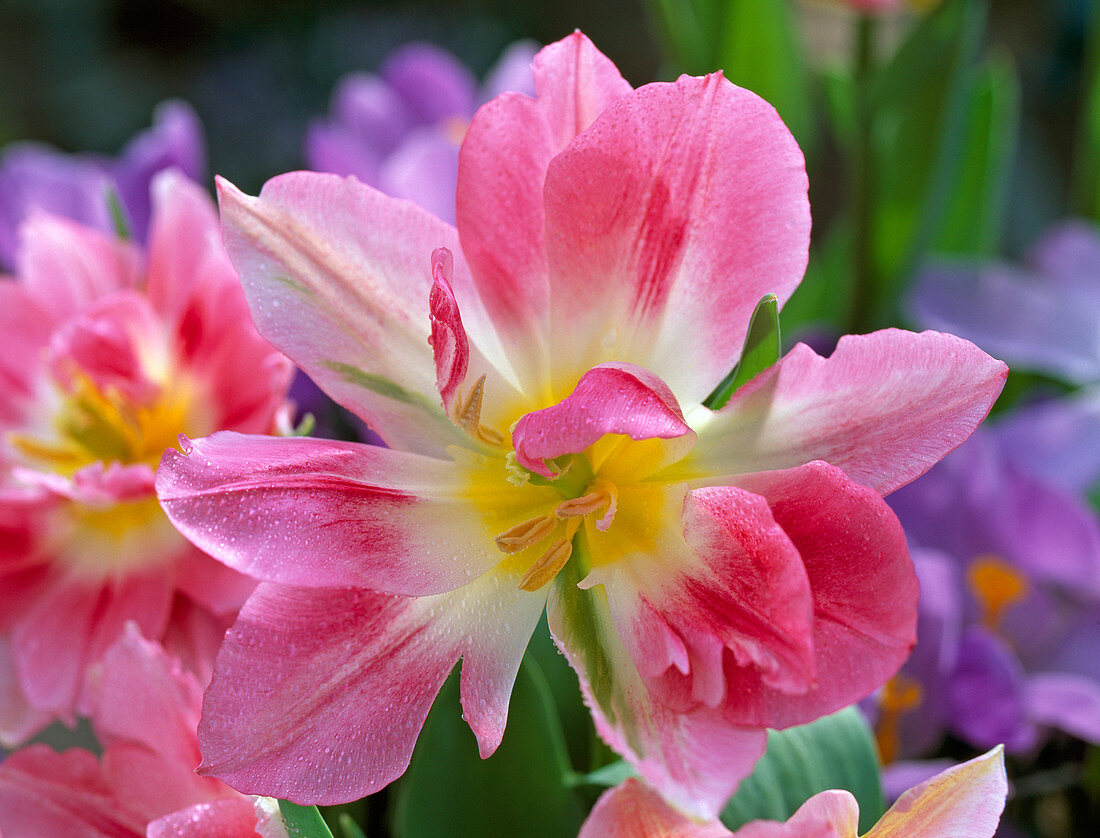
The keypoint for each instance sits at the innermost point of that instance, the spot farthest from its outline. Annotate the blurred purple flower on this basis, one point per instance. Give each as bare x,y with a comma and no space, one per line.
1009,623
34,177
400,130
1043,316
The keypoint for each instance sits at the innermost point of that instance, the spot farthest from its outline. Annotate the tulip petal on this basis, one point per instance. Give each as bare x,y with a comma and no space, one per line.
43,792
965,801
694,758
633,810
864,594
734,581
67,267
360,515
666,221
318,694
883,407
338,277
501,169
228,817
609,399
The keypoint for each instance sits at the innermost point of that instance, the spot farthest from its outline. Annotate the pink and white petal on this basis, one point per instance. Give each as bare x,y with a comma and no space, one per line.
666,222
828,814
633,810
338,276
151,785
183,236
360,515
43,792
864,592
319,694
67,267
450,347
25,328
733,581
50,643
226,817
608,399
211,584
138,695
965,801
501,169
883,407
18,720
695,758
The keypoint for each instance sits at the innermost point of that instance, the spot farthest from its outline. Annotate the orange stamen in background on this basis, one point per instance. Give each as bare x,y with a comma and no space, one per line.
899,695
996,585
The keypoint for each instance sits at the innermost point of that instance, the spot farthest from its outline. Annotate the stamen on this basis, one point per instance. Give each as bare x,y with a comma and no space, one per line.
468,416
996,585
601,493
548,565
900,695
523,535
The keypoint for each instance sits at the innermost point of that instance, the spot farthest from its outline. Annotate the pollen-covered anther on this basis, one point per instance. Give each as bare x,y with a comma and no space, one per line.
523,535
553,560
601,493
467,415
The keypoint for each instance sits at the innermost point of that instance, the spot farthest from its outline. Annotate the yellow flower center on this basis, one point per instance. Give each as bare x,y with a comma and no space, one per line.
602,492
996,585
85,424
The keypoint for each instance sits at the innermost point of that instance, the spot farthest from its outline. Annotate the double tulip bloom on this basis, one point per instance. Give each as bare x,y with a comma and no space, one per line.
538,374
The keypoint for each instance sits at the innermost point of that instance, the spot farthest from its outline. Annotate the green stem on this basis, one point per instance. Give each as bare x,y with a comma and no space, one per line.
863,182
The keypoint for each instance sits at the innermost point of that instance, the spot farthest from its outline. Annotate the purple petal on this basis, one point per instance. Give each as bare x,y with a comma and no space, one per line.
1013,315
424,169
175,141
432,82
1057,441
1067,702
1068,257
35,177
987,696
512,71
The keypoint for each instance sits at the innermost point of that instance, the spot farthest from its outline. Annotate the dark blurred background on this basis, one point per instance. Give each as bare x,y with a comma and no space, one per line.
86,74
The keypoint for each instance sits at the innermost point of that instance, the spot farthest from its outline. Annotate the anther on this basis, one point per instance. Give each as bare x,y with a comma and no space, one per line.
523,535
548,565
468,416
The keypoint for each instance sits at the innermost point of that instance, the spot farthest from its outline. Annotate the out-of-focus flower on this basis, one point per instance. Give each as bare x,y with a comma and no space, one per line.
144,708
37,178
107,354
1010,608
964,801
1043,316
708,574
400,130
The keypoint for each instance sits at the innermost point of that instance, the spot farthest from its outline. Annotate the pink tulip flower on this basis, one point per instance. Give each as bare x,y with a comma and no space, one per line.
965,801
108,354
707,574
144,708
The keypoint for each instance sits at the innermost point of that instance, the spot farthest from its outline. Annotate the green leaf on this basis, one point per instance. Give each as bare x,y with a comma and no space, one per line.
350,827
576,721
609,775
834,752
762,349
919,104
303,821
972,222
523,789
